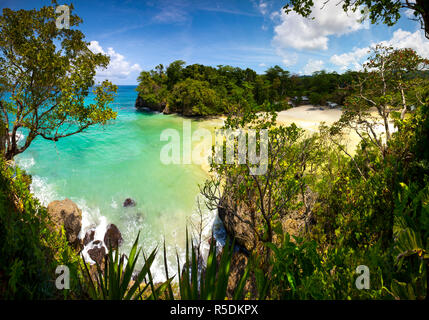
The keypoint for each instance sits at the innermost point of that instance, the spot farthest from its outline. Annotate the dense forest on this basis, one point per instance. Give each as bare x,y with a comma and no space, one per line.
204,90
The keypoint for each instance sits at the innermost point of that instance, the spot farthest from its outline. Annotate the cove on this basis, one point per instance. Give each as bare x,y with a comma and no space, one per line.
100,168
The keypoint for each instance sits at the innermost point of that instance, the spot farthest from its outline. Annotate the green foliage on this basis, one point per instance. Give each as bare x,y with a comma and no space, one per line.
30,251
48,72
116,283
209,282
193,97
300,270
202,90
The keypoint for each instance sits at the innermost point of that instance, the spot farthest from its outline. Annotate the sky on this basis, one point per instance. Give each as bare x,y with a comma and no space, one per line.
256,34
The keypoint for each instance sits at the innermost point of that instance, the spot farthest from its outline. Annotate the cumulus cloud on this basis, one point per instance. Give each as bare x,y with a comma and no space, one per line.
404,39
401,39
294,31
351,60
313,66
118,68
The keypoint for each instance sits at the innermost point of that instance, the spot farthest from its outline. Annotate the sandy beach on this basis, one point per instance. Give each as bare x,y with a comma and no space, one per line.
308,117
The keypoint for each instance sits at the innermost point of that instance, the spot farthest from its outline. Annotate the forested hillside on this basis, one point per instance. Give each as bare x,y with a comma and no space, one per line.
198,90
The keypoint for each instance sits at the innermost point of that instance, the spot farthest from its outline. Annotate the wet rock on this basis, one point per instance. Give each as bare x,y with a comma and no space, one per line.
112,237
89,236
97,254
129,203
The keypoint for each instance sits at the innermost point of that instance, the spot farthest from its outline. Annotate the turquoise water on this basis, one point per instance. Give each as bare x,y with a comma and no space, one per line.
100,168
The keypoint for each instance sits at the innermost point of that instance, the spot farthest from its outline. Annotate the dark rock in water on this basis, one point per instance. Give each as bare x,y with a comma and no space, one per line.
89,236
129,203
97,254
112,237
96,242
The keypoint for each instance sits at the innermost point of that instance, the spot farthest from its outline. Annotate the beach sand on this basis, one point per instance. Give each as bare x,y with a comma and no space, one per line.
308,117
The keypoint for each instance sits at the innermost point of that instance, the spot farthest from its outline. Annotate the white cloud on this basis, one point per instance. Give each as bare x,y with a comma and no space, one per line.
404,39
118,68
262,65
313,34
262,7
351,60
401,39
312,66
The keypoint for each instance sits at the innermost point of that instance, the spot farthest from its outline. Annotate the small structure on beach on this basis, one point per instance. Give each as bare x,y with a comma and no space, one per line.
332,105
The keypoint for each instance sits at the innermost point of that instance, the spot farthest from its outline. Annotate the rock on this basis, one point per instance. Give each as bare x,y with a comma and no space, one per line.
233,216
97,254
66,213
112,237
129,203
89,236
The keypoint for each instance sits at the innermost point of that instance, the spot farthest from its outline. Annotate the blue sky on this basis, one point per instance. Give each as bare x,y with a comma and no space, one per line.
138,35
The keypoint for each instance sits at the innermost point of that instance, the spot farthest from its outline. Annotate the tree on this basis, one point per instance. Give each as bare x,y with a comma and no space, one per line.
174,72
193,97
387,11
386,85
260,202
47,72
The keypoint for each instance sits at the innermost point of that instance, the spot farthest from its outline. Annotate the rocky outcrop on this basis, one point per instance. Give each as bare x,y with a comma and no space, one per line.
234,217
144,105
238,217
67,214
112,237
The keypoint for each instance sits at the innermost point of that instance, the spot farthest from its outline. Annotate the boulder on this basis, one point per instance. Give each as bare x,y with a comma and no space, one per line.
89,236
67,214
97,253
129,203
112,237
